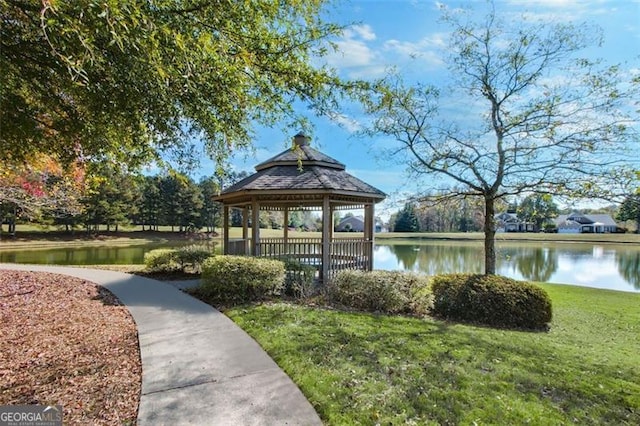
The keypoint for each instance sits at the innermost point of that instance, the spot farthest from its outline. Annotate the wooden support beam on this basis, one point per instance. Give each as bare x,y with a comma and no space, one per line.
369,234
245,231
286,230
225,229
255,227
327,224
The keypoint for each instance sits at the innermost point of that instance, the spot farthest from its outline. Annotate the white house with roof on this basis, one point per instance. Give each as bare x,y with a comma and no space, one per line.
510,222
579,223
356,224
351,224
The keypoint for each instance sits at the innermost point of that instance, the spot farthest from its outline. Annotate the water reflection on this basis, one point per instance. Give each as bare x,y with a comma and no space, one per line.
615,267
436,259
533,263
611,267
629,266
102,255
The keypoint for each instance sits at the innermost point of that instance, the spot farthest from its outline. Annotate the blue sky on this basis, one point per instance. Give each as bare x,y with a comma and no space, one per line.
407,35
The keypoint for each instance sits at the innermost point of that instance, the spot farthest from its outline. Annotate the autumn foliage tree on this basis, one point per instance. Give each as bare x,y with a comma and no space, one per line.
40,186
130,80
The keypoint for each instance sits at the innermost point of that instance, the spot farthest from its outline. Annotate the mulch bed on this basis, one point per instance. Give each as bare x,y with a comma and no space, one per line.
70,342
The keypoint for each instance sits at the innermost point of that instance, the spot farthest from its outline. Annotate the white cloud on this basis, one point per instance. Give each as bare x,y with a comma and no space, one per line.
351,53
364,32
350,124
427,50
573,4
559,10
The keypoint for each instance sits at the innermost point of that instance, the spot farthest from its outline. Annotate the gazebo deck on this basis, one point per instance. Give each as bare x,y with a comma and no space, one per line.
345,253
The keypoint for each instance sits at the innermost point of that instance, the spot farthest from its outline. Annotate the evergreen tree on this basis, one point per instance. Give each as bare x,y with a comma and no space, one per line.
630,210
407,220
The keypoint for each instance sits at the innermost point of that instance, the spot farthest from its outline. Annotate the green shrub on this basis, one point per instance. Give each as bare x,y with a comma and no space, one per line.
381,291
192,256
491,300
239,279
299,278
161,260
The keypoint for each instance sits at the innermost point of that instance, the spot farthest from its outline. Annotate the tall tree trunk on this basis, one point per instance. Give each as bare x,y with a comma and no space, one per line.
489,236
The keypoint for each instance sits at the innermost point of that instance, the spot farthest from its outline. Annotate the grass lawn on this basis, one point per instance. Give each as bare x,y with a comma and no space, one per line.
367,369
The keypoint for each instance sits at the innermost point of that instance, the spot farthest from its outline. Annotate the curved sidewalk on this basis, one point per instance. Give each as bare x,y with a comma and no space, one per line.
198,367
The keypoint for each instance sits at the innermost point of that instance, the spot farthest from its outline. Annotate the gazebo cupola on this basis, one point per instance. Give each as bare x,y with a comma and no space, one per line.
303,178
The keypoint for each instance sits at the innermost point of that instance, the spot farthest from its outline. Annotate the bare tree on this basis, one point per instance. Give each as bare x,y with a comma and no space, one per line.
537,119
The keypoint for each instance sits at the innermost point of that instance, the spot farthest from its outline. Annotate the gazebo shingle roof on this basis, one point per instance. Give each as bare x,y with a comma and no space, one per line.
309,178
300,154
302,169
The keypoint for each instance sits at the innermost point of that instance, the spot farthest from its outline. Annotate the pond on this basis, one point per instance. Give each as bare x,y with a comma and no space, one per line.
615,267
88,255
608,266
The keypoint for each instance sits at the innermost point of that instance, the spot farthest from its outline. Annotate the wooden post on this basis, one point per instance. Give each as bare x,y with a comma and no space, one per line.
327,224
332,211
225,230
245,231
286,230
255,227
369,233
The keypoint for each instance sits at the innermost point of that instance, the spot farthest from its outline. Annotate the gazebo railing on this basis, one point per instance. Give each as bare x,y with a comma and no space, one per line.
345,253
238,247
350,253
306,250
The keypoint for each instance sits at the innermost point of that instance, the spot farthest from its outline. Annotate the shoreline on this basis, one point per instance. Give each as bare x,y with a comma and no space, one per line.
527,237
47,239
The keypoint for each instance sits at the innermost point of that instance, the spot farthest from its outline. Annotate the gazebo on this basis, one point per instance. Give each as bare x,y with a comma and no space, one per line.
302,178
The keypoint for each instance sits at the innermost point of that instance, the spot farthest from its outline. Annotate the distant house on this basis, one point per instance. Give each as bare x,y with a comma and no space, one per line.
578,223
351,224
356,224
510,222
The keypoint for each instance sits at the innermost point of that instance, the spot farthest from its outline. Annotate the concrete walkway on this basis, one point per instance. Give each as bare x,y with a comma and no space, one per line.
198,367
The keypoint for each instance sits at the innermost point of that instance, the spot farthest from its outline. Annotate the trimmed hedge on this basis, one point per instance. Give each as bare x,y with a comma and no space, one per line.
390,292
170,260
192,256
161,260
299,278
241,279
491,300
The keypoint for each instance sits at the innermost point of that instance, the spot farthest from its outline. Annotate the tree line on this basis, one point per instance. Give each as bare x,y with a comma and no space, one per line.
467,215
112,197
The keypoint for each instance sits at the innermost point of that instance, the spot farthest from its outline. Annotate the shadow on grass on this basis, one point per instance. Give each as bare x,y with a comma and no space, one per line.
369,368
